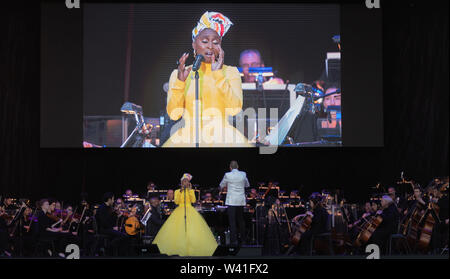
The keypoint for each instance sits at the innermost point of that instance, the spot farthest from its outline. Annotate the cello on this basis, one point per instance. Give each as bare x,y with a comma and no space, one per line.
300,228
427,229
412,233
368,229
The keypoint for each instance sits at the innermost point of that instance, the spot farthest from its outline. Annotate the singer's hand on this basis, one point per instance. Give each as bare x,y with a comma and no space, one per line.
217,65
182,71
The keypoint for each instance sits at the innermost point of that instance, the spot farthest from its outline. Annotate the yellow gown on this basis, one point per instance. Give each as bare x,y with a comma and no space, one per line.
173,239
220,95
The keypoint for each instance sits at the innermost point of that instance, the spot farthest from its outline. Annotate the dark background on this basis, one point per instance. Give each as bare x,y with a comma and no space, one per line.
415,101
292,38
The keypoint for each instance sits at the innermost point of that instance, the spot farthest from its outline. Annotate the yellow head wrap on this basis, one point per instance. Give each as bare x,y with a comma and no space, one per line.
213,20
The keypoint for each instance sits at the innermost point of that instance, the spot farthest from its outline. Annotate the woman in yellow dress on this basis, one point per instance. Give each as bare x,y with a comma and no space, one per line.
185,237
220,91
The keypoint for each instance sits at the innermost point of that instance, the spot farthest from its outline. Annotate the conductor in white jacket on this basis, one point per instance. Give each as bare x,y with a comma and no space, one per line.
236,181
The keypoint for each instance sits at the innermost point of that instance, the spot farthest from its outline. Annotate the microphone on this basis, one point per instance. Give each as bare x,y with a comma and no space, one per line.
198,61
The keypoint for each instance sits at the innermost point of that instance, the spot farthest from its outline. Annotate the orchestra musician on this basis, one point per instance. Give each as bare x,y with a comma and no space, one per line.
318,225
236,181
253,194
332,97
128,194
389,224
169,202
440,234
106,222
369,210
151,190
157,219
8,203
89,240
252,58
48,230
399,201
417,198
170,195
4,236
208,198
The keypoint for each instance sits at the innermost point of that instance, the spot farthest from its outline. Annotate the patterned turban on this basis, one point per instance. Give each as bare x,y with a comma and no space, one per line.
187,176
216,21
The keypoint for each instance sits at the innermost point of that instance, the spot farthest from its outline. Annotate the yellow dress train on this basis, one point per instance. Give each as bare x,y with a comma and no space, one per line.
194,240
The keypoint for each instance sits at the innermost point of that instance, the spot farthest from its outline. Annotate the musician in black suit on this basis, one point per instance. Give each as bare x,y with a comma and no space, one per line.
156,220
439,238
106,224
319,223
399,200
390,215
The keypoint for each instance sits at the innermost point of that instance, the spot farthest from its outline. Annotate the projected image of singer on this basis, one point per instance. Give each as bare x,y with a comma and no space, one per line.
219,91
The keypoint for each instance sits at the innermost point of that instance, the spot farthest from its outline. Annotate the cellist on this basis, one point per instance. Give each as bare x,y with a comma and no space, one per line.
441,227
318,225
418,198
390,215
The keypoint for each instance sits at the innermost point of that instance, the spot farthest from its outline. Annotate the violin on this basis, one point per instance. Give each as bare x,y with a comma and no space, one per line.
53,217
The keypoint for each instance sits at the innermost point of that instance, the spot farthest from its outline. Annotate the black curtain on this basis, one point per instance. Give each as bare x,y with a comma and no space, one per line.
415,70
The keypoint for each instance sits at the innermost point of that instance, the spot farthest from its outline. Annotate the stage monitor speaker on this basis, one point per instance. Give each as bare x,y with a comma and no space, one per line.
244,251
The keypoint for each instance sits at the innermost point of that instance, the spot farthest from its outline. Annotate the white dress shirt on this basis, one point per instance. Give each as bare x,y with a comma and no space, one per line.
235,181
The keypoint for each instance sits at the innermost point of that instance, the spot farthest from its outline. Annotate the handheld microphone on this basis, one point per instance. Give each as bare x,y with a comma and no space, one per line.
198,61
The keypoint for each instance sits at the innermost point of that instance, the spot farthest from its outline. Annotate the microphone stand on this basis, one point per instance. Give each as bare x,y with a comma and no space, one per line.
196,110
185,222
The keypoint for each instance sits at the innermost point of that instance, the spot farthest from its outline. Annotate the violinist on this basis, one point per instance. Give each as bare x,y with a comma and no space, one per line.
48,230
318,225
106,221
58,207
22,234
8,204
88,230
389,224
69,220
